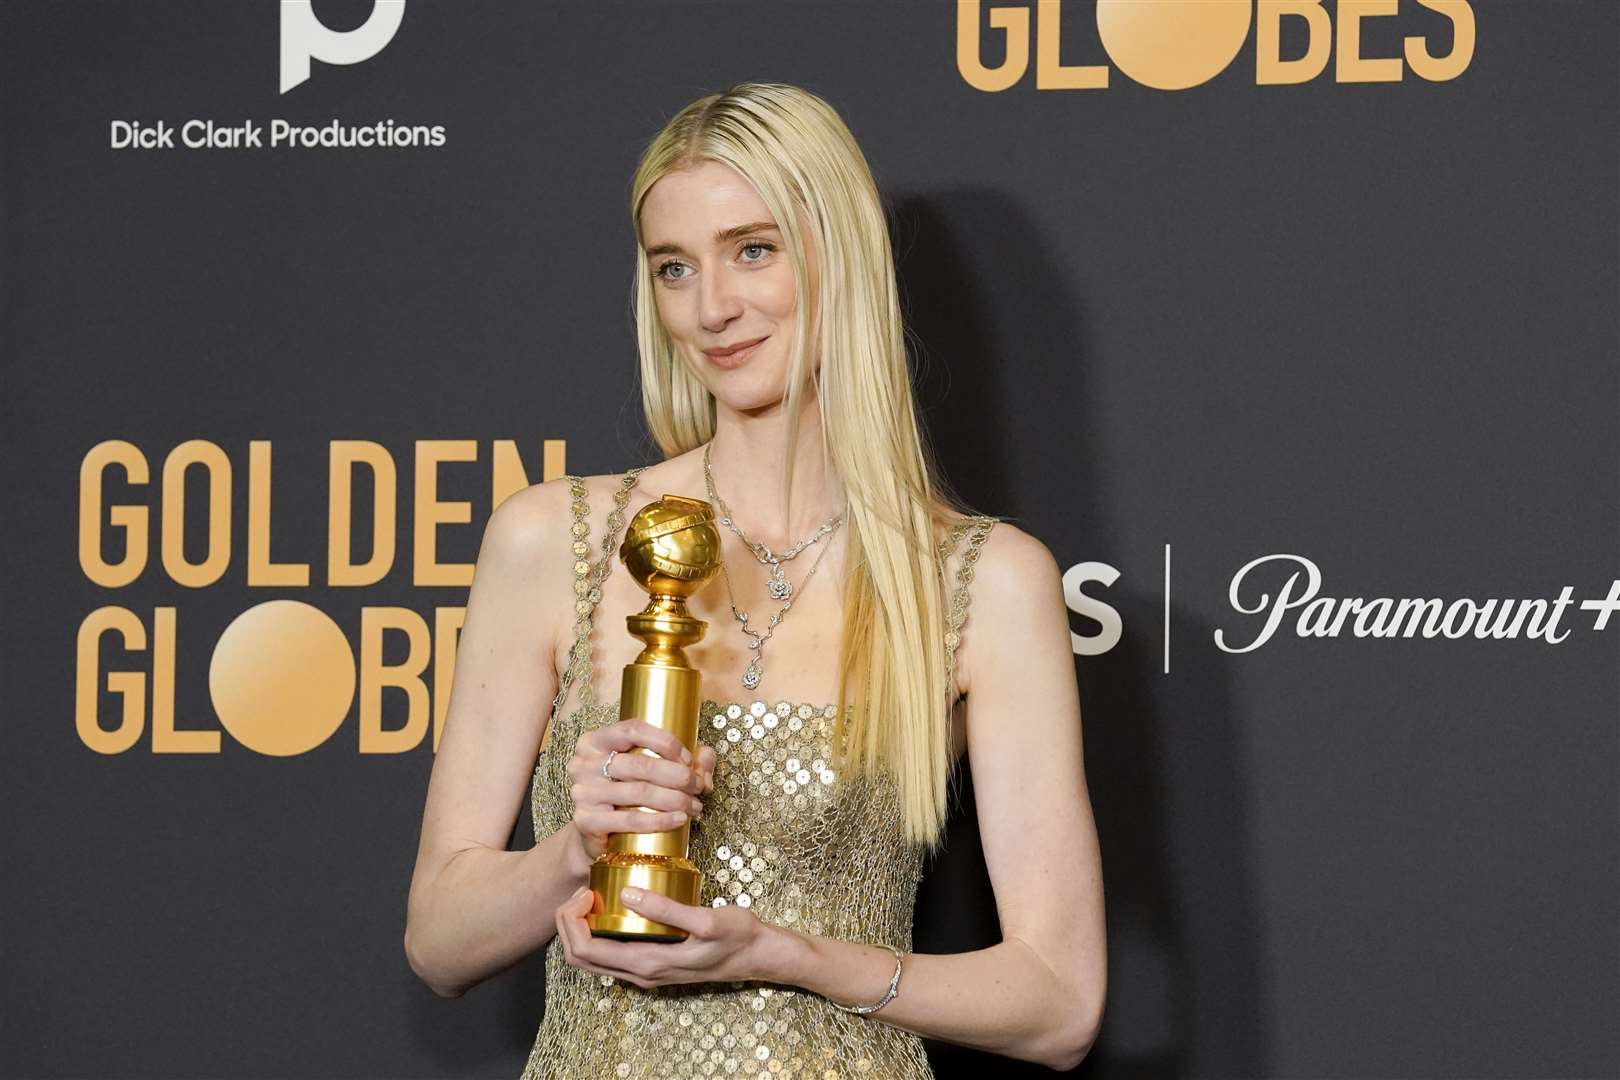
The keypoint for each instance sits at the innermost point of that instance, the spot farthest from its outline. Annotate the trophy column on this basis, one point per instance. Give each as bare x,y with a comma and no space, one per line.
671,548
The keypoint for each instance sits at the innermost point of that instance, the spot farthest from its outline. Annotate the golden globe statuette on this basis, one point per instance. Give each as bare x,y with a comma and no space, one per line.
672,548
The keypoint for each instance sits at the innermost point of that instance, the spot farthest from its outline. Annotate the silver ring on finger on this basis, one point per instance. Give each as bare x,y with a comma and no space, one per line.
608,762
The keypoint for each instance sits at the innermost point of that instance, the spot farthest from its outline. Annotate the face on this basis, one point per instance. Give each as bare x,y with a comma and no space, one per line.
722,278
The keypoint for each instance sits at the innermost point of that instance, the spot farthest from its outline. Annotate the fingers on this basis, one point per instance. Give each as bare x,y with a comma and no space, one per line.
695,921
628,734
582,950
669,774
669,763
613,794
602,822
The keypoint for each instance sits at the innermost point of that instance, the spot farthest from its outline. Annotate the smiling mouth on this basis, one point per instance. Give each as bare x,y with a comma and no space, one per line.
721,354
736,356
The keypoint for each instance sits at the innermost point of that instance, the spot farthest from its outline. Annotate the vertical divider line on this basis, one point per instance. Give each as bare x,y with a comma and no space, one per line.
1167,609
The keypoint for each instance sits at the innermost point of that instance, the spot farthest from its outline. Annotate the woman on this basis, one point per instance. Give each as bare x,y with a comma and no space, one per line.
774,379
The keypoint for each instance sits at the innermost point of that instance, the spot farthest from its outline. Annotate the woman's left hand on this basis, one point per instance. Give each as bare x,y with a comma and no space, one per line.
722,944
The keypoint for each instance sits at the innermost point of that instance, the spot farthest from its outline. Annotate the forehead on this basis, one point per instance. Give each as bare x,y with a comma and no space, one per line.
686,205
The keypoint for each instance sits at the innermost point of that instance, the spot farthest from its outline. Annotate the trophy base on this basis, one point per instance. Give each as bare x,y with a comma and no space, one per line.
676,878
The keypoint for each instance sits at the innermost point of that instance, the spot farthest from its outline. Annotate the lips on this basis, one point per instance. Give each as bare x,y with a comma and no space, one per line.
733,356
721,352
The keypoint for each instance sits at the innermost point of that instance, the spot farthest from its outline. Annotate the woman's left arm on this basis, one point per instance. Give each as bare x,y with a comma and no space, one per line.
1038,995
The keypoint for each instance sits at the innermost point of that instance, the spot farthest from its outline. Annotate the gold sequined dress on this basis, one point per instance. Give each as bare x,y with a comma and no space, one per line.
783,833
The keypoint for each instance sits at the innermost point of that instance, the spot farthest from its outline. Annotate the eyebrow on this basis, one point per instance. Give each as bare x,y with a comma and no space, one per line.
720,237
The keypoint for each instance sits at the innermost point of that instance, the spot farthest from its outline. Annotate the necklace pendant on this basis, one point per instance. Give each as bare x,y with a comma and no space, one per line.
779,588
750,677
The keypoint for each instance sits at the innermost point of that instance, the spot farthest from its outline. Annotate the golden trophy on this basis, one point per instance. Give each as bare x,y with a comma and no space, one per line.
672,548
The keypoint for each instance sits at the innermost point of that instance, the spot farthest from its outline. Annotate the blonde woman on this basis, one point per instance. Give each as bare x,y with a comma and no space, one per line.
842,673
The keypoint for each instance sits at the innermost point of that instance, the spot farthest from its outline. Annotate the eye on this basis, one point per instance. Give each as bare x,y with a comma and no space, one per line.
663,271
761,245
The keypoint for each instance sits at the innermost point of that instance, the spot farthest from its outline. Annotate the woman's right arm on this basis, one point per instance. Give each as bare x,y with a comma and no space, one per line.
475,908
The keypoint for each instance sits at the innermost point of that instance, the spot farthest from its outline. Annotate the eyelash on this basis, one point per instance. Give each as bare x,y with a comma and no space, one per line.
659,273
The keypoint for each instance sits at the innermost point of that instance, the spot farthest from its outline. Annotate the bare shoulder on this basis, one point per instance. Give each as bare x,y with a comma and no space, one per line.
527,525
1011,558
1016,586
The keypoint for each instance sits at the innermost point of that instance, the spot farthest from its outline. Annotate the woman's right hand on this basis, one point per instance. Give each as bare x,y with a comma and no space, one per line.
665,783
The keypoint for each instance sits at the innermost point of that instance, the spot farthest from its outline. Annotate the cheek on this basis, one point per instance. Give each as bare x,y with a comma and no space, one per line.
780,298
672,313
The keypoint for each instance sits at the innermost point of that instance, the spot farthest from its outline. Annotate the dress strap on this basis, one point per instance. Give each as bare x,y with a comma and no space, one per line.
588,578
976,529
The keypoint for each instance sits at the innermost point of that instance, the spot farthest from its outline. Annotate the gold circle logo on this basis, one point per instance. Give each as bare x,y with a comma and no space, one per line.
282,678
1173,44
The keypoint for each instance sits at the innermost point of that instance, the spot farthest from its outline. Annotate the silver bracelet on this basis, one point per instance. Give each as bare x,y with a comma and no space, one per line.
894,989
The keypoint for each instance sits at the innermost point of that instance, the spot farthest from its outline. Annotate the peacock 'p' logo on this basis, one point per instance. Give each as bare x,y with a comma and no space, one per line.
304,38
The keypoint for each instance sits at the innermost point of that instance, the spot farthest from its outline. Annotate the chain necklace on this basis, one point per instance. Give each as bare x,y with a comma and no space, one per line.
756,641
778,586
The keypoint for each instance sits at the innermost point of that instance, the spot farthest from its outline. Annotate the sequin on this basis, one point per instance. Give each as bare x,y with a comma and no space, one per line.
836,864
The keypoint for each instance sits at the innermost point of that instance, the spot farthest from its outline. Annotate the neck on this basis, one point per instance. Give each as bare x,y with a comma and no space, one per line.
748,456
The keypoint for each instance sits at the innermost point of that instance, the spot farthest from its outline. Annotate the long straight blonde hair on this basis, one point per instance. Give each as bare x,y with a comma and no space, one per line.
801,158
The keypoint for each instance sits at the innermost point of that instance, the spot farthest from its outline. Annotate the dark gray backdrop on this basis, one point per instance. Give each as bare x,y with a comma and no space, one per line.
1371,325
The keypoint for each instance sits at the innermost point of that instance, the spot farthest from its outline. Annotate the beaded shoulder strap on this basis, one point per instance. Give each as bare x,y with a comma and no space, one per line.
588,578
976,529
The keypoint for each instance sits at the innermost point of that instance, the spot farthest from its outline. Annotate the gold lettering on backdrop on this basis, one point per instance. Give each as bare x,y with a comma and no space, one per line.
166,738
1443,68
129,686
130,520
1050,74
1270,69
430,512
1179,44
283,676
340,568
260,570
217,468
1173,44
375,676
1351,66
1014,25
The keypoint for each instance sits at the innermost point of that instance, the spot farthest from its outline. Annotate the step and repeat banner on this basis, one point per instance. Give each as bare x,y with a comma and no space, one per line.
1290,326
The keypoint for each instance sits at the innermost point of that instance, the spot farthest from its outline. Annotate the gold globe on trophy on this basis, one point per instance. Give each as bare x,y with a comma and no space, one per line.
672,549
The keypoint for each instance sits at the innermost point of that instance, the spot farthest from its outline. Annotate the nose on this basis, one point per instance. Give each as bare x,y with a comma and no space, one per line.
718,302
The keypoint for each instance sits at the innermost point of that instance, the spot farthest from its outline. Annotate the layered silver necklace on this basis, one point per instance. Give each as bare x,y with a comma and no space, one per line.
777,585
